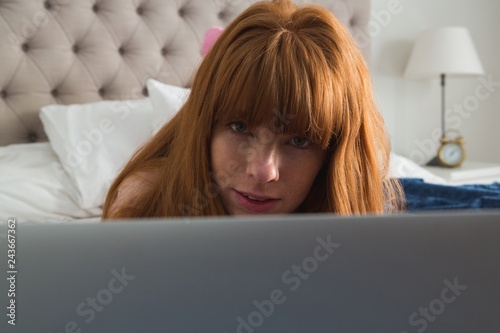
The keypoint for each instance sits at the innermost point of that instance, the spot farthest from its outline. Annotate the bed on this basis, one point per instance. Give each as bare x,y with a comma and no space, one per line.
84,82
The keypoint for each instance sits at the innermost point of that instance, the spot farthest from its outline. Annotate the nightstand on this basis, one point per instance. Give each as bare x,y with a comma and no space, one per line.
470,172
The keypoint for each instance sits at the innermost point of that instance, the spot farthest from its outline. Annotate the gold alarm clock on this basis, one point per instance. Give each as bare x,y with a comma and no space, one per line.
451,152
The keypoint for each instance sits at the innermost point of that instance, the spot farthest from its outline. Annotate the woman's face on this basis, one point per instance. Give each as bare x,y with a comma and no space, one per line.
261,172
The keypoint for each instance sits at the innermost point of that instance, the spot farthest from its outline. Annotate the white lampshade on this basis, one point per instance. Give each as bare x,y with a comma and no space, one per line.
447,50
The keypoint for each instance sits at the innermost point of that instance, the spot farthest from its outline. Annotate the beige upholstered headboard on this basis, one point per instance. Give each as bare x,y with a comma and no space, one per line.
80,51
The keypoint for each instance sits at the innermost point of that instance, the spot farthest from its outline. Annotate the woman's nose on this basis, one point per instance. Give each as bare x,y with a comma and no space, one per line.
263,164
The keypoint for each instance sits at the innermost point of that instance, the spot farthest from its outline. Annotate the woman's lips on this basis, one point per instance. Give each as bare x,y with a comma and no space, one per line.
256,203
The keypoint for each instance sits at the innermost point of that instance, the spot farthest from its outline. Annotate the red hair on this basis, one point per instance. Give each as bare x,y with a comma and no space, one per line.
295,68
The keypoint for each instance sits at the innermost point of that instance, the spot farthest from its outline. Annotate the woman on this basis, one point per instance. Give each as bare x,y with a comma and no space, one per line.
280,119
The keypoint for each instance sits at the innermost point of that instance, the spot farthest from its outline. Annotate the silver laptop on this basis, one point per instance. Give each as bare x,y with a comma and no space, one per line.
301,273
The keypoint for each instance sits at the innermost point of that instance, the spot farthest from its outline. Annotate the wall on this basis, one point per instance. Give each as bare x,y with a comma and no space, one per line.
411,107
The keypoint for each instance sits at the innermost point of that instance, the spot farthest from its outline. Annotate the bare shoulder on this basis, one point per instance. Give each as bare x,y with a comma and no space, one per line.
137,183
131,189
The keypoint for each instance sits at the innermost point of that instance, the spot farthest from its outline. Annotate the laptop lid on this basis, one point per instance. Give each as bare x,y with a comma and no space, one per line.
299,273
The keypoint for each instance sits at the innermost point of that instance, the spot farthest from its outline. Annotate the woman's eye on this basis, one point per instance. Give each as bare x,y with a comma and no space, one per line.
238,127
300,142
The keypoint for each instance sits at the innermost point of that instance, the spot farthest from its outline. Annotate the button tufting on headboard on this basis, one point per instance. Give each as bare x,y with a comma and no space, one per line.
32,137
72,51
221,15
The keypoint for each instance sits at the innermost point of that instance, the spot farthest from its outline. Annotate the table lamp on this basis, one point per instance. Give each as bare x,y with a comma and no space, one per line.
437,53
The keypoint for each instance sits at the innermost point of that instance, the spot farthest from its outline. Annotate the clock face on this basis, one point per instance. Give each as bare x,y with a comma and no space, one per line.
451,154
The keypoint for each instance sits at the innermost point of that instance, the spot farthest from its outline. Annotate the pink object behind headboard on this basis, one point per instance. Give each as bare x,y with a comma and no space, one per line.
211,36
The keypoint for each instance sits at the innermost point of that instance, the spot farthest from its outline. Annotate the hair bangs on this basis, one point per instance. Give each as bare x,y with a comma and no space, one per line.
277,89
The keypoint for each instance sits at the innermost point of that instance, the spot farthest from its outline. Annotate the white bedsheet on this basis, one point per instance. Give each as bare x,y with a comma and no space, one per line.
34,187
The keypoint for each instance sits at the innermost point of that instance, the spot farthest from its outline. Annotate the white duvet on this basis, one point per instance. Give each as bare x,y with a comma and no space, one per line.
34,188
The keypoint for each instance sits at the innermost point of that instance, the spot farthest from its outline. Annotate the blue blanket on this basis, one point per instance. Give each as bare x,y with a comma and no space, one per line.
425,196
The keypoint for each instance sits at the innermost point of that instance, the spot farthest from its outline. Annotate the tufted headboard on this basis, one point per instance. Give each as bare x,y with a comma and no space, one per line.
80,51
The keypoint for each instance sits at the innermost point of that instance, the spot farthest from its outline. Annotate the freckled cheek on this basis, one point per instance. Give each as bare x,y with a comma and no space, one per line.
304,170
301,177
225,160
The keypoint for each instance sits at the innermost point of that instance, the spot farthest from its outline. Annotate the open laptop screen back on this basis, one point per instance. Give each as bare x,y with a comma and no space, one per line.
301,273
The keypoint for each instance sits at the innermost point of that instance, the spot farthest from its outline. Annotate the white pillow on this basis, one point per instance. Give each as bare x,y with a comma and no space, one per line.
166,100
93,141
